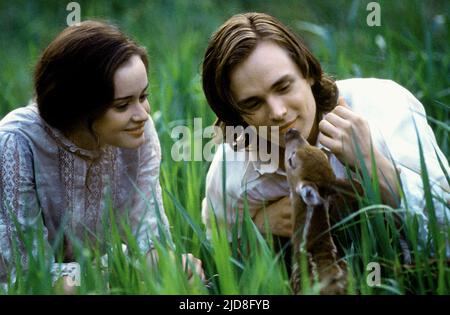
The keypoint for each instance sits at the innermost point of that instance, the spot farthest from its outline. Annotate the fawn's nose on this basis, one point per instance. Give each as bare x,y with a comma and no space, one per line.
293,133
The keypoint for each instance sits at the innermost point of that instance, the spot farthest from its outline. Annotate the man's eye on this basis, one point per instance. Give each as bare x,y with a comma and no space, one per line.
252,105
285,87
143,97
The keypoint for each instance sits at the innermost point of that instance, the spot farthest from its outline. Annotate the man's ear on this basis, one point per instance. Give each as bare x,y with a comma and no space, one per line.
309,194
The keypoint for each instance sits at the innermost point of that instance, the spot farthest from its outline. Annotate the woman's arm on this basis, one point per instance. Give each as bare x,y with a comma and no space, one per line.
21,219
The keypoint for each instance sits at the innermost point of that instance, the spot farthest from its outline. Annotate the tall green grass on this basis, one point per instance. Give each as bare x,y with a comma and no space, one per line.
175,33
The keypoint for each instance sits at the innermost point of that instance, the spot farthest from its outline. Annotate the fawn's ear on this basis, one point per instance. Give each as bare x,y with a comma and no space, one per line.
309,194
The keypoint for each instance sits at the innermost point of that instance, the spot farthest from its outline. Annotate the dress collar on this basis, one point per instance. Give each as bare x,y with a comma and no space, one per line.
64,142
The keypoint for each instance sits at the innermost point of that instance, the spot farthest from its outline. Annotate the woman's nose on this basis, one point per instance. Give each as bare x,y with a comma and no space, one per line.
141,112
277,109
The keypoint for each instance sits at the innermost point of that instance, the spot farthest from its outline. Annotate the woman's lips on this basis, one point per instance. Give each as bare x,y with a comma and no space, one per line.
136,131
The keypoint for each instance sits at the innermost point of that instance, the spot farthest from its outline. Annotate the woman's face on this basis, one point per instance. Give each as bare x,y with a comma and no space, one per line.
271,87
123,123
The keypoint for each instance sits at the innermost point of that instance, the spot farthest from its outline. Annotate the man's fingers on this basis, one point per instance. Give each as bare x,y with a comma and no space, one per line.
334,145
328,128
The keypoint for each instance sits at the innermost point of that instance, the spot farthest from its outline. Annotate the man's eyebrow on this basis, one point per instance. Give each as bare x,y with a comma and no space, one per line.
130,96
247,100
284,78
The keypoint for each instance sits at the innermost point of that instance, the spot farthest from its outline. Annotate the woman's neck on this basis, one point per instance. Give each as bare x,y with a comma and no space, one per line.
83,139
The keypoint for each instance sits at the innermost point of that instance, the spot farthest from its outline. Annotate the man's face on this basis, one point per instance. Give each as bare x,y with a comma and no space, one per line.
270,86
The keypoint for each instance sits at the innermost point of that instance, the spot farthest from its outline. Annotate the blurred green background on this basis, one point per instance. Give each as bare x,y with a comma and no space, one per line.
415,35
411,47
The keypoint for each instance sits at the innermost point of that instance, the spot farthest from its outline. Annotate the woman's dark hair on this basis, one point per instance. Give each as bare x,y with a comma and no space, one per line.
73,78
234,41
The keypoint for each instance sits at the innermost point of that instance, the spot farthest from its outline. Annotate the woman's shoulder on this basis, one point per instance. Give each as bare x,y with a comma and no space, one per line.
21,116
21,123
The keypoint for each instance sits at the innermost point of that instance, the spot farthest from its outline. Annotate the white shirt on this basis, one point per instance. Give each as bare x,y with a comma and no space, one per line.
390,111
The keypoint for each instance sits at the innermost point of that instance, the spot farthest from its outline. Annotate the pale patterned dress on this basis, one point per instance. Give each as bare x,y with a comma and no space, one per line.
46,178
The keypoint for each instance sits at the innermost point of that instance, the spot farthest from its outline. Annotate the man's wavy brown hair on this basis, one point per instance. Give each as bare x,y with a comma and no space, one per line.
234,41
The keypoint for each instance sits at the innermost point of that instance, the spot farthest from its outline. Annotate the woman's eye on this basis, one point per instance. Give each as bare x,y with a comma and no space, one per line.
143,97
121,107
254,105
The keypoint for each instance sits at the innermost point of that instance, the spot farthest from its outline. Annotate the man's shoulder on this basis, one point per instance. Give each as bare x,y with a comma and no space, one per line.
372,96
367,85
229,166
226,159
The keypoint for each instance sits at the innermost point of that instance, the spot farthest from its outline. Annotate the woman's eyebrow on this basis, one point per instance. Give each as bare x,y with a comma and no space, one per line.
248,100
130,96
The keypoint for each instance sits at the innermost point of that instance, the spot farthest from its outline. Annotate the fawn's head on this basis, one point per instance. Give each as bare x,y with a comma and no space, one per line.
307,167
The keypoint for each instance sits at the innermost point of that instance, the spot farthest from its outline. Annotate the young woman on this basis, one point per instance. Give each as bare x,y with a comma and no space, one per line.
256,72
86,146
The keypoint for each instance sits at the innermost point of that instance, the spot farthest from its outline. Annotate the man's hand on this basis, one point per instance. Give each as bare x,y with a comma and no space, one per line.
279,217
340,131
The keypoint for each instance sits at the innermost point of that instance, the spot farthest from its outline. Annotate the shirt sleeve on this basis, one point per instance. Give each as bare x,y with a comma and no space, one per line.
148,218
400,139
21,220
225,194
